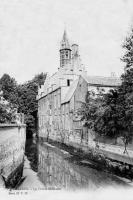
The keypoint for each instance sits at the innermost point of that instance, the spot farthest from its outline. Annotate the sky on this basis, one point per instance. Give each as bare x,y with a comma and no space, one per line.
31,31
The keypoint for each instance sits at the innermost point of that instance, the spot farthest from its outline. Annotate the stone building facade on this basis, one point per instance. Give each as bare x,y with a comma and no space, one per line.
63,94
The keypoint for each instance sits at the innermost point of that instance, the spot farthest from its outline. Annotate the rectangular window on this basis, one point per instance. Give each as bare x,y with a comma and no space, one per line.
68,82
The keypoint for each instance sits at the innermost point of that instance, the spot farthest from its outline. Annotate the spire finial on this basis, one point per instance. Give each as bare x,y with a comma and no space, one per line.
65,42
65,32
65,26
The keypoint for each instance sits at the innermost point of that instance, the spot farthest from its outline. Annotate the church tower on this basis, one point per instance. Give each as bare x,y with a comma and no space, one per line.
65,51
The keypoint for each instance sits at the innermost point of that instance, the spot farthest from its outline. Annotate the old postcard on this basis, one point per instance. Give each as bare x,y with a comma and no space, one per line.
66,99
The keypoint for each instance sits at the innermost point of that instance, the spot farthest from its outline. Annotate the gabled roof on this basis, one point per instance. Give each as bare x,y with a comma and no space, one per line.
71,91
92,80
103,81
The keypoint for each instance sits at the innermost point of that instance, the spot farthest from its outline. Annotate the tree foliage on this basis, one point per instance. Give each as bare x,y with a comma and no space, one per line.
27,102
9,87
23,97
112,115
90,109
128,47
7,111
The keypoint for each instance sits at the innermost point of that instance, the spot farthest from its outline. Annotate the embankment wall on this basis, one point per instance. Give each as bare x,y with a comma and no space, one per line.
108,155
12,148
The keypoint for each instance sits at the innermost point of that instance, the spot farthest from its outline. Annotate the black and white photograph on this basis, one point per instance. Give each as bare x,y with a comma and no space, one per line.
66,99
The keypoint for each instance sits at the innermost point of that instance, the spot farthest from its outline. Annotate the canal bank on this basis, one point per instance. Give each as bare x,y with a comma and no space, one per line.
102,159
51,167
31,181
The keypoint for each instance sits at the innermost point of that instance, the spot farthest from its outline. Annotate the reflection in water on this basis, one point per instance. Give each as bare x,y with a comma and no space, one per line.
31,152
57,169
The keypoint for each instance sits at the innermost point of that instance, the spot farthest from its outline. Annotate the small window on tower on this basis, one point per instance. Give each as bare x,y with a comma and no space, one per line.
68,82
66,55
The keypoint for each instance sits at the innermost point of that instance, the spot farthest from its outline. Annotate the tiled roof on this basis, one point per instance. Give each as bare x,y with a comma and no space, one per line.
70,91
104,81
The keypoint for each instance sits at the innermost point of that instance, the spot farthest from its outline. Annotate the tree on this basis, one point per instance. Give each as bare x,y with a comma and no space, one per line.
6,110
9,87
89,109
23,97
125,92
108,115
27,102
113,117
128,46
39,79
5,116
106,122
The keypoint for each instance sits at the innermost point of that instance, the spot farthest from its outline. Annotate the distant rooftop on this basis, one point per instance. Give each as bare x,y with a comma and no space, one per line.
105,81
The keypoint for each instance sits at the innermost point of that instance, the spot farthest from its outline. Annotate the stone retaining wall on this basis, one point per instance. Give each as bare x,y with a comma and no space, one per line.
112,156
12,148
97,158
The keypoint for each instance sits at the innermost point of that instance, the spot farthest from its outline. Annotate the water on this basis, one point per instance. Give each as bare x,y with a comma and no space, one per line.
56,168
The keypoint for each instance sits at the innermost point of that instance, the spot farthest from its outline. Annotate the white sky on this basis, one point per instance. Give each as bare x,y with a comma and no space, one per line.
31,31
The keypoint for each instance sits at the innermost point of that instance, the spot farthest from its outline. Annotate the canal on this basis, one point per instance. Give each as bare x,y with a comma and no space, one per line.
58,169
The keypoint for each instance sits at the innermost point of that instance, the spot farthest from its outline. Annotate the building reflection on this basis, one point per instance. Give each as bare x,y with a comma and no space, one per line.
55,170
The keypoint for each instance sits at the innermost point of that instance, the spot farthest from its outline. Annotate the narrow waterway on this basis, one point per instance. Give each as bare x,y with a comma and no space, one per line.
57,168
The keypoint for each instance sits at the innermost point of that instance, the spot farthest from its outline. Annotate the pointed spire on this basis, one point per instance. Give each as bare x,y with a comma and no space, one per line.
65,43
65,35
